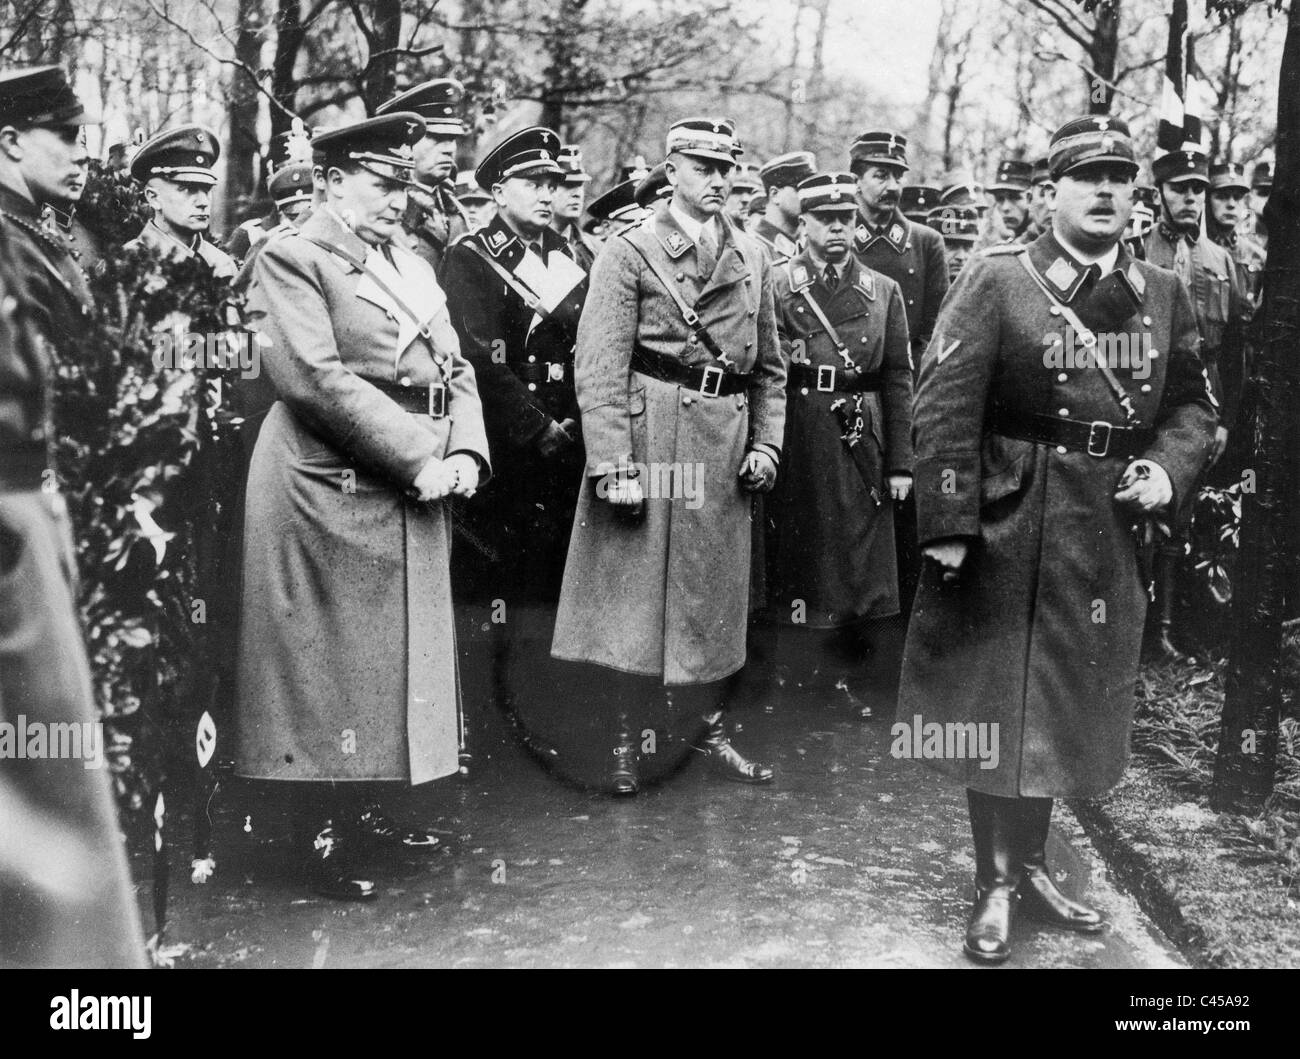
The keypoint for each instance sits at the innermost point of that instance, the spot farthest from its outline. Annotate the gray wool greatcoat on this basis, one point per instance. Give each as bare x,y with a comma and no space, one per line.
347,666
1042,633
669,596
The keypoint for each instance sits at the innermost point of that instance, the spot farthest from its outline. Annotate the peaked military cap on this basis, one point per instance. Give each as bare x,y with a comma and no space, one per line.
530,152
756,205
467,190
788,170
651,186
382,145
438,102
1146,195
836,192
291,183
1261,177
713,138
880,148
917,200
41,95
618,203
1041,172
1189,162
959,223
1228,175
1088,140
636,169
570,159
746,178
1013,175
185,155
961,193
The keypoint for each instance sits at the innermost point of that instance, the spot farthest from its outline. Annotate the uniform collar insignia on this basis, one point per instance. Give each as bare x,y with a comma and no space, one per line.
496,240
784,244
1061,274
861,233
896,233
675,242
867,284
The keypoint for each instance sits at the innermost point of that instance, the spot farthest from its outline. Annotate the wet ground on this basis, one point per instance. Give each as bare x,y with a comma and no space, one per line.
851,859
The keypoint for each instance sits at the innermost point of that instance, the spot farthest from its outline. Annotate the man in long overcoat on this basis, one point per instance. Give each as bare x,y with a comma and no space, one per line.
848,448
347,653
65,886
678,437
1031,481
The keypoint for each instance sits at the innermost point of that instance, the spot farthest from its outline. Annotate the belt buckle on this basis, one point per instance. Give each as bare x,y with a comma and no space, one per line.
826,378
1092,435
711,384
438,401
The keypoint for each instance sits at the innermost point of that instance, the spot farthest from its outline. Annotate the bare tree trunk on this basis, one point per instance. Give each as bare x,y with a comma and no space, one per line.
792,76
242,101
1224,132
289,38
1246,762
379,81
1104,55
561,72
816,74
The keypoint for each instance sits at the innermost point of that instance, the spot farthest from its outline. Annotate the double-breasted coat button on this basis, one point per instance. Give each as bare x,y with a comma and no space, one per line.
1146,321
1060,449
1063,377
911,272
862,340
804,390
681,276
1146,388
693,339
687,398
531,360
532,386
405,380
1063,412
911,301
1055,310
1153,354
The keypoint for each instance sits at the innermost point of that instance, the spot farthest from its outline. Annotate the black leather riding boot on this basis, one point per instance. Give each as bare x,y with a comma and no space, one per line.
724,759
326,836
997,876
1167,561
1039,896
624,776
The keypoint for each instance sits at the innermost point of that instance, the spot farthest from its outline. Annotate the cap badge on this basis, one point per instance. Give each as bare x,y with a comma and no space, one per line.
836,194
1103,124
1107,143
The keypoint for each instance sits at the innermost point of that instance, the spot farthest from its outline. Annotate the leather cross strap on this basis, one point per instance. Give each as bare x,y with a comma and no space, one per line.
526,294
1089,339
829,328
357,263
689,315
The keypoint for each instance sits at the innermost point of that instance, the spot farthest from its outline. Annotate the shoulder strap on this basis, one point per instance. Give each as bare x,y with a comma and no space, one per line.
689,315
806,294
526,294
357,263
1087,337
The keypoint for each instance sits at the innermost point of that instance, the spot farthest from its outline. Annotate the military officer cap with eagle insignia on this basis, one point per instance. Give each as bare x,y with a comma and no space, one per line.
382,145
1228,176
1012,175
570,159
291,183
828,193
531,152
184,155
1090,140
1190,163
652,186
438,102
960,224
711,138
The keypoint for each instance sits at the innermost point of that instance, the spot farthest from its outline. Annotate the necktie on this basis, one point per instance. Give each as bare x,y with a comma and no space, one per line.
832,277
1183,262
707,251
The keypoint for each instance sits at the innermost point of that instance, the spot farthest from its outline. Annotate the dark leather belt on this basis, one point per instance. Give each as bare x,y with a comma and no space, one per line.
1096,438
828,378
22,467
419,400
550,371
711,380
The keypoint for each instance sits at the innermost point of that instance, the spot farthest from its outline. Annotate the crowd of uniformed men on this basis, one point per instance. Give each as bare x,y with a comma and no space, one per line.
718,397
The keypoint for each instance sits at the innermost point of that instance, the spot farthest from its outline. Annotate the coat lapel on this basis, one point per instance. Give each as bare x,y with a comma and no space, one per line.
731,267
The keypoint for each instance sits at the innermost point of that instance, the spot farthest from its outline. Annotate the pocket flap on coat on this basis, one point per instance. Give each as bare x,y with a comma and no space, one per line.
1002,463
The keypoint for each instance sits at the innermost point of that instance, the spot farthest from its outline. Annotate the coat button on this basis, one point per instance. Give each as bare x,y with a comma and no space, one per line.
911,272
1146,388
798,308
693,339
804,390
405,380
687,398
1063,412
532,386
1153,354
1146,321
862,340
531,360
749,345
681,277
1063,377
1055,310
1060,449
911,301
